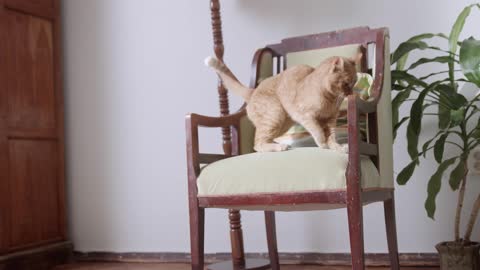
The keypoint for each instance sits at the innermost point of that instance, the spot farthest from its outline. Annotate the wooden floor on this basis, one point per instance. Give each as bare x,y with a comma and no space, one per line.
129,266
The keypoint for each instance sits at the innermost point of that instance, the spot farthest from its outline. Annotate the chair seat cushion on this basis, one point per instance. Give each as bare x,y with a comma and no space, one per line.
298,170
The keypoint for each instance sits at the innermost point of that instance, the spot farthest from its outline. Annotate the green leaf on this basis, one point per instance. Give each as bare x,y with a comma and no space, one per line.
454,36
476,132
457,29
412,142
402,62
457,116
406,47
439,147
432,74
451,108
397,102
398,87
416,112
470,60
434,186
439,59
400,75
443,112
457,174
427,143
402,54
427,35
398,125
454,99
425,146
416,115
406,173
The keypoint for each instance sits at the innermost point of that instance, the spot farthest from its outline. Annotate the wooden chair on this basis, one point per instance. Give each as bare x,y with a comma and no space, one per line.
227,181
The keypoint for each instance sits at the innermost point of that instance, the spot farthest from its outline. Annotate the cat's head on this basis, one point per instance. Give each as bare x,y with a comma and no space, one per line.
342,75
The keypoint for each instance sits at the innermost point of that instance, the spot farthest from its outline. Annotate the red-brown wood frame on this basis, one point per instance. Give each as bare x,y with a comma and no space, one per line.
354,197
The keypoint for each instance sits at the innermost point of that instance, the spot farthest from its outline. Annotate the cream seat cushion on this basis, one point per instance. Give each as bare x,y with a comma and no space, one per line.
298,170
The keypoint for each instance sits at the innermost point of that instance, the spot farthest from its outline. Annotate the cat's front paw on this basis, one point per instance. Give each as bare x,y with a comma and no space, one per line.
282,147
322,146
343,148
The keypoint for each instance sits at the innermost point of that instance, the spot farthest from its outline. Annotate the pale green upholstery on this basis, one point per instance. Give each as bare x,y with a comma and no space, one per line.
298,170
384,122
301,169
315,57
247,129
247,135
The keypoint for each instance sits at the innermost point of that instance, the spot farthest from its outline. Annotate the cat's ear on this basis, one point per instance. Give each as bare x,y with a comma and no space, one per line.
338,64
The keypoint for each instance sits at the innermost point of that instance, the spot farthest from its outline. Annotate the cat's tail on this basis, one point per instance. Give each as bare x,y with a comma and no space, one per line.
229,80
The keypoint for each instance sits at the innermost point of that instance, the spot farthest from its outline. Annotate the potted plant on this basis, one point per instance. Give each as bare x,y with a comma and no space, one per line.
456,113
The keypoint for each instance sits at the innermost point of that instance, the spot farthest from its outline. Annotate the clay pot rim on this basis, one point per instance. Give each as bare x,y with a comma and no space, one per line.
444,245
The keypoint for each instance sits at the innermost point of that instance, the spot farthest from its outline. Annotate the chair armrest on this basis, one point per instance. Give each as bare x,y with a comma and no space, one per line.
215,121
192,123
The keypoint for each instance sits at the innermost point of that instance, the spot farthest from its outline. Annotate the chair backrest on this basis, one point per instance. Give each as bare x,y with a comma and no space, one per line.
311,50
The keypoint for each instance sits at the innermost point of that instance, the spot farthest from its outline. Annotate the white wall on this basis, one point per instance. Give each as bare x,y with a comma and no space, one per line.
134,68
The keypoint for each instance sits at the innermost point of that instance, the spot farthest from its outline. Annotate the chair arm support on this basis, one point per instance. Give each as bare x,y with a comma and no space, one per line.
356,147
365,106
192,123
353,173
356,106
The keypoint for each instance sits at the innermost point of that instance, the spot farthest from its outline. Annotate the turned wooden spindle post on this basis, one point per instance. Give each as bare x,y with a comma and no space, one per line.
236,237
219,51
236,234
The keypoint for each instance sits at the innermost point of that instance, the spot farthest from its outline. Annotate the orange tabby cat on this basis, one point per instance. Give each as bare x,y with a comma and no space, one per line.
302,94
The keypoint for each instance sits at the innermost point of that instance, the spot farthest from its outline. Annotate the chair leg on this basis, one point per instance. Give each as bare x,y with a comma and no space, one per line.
355,225
389,207
272,240
197,232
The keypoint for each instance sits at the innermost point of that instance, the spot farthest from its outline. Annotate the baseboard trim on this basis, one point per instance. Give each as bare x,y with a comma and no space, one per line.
40,258
330,259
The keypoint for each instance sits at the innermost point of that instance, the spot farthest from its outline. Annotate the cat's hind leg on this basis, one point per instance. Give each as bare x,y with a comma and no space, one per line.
264,136
268,127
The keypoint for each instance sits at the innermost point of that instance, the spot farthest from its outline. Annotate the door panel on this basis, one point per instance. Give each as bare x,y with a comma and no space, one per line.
4,213
34,189
31,72
4,202
41,8
31,126
42,3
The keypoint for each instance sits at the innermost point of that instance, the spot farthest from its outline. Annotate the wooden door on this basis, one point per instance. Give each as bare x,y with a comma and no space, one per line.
4,189
31,125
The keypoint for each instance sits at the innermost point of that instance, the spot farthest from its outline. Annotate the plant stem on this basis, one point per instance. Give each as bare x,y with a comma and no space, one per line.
461,197
473,219
461,193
